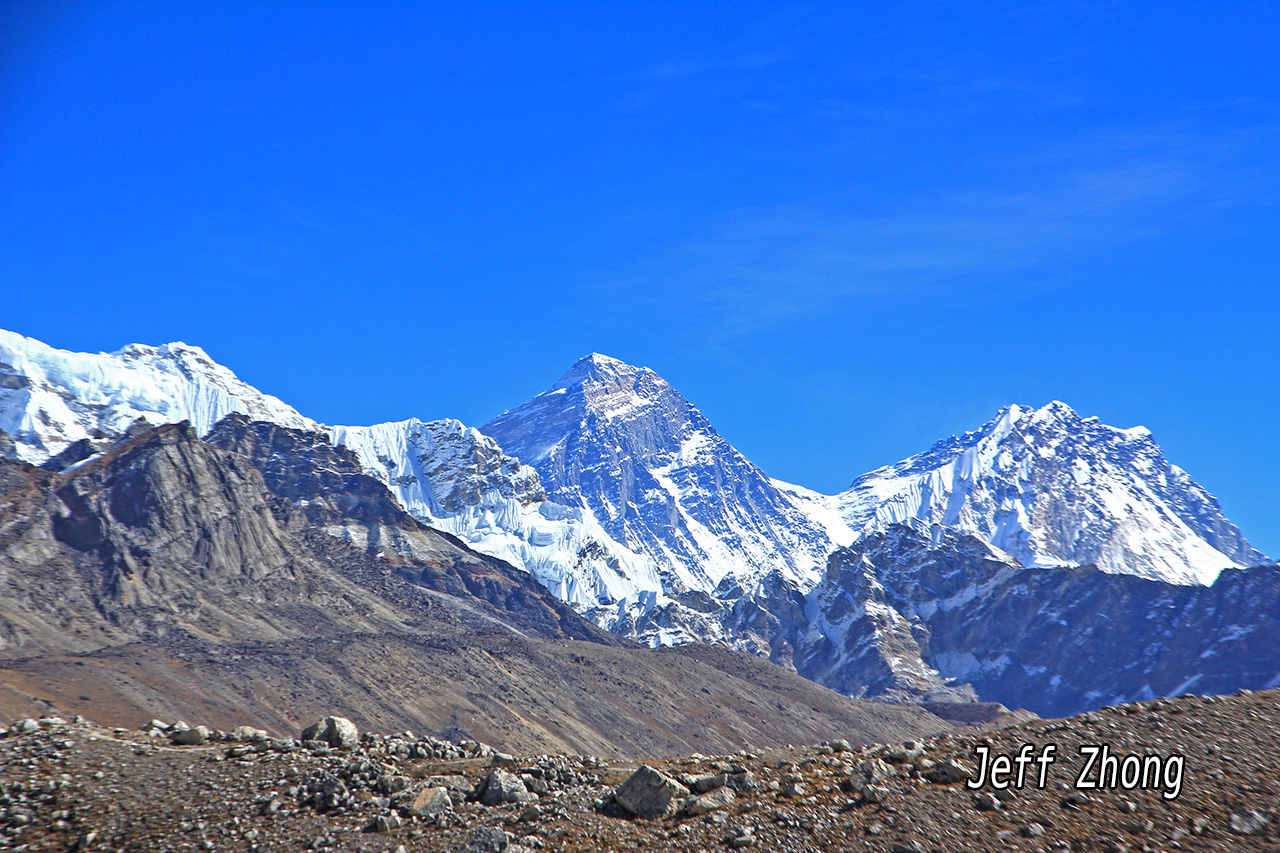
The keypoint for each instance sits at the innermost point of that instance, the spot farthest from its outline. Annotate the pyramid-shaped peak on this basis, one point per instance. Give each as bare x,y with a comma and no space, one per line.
599,359
597,367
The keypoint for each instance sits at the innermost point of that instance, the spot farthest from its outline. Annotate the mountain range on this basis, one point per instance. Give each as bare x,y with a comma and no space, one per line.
952,575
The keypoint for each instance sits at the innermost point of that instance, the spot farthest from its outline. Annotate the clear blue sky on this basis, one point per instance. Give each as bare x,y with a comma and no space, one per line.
842,230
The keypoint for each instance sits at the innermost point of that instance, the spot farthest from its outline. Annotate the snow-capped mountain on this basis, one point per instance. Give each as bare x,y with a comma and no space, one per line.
453,478
52,398
621,442
926,580
1053,489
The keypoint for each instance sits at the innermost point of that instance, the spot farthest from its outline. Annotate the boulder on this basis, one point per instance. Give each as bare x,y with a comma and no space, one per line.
869,771
486,839
430,802
248,733
336,731
650,794
502,787
191,736
717,798
458,784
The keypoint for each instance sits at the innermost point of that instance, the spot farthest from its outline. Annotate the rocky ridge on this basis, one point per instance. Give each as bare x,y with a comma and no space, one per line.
936,613
175,574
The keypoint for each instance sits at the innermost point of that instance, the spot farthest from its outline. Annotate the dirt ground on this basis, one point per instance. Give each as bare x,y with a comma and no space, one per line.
1210,785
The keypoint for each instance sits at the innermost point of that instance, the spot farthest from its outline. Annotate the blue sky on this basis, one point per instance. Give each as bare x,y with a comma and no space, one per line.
842,230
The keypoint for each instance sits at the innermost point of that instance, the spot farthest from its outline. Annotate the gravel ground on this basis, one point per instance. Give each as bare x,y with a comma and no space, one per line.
72,785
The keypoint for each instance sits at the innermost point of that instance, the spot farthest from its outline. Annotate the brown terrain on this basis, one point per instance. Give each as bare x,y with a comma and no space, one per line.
75,785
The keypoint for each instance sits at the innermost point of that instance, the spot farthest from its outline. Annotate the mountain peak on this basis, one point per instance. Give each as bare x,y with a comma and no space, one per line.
1052,488
596,368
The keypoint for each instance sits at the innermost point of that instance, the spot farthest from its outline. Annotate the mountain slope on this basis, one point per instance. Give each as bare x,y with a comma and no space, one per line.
173,575
1051,488
453,478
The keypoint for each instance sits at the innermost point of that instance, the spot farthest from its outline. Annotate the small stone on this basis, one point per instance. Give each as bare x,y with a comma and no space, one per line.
874,794
1074,800
906,847
1248,822
986,802
387,823
794,789
1032,830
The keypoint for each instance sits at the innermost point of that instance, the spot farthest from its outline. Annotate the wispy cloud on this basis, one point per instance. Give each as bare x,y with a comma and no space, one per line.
755,267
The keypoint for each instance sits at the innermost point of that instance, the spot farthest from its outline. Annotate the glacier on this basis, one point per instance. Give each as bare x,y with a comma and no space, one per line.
52,398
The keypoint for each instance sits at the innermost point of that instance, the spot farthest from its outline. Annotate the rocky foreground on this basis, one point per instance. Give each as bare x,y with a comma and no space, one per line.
1211,785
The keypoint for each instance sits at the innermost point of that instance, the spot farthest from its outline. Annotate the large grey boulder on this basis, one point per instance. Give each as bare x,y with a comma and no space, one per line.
336,731
430,802
190,736
650,794
502,787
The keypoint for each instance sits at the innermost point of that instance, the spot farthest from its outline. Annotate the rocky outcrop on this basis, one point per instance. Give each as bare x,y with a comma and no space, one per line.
924,607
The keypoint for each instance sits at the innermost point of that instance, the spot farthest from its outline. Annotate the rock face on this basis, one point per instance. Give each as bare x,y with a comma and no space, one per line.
1055,641
458,480
327,484
619,441
1051,488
